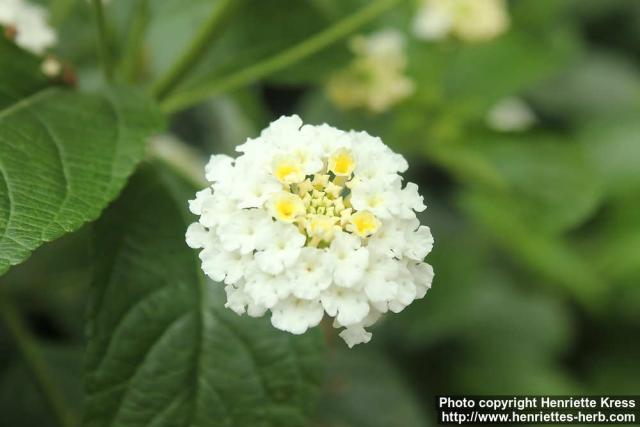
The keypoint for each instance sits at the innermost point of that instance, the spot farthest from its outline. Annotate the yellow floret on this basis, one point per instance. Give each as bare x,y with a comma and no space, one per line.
305,187
342,163
287,169
286,207
363,223
321,226
320,181
333,189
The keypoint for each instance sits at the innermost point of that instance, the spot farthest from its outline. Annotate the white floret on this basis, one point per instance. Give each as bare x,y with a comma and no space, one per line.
247,230
197,236
375,197
221,265
348,306
422,277
296,315
312,273
219,169
353,335
254,188
350,259
281,250
469,20
378,281
418,243
29,20
408,201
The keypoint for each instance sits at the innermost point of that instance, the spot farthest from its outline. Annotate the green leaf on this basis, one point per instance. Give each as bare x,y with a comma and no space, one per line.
467,80
551,178
600,85
258,30
163,350
21,402
541,16
20,73
63,157
552,257
613,146
364,389
494,306
614,244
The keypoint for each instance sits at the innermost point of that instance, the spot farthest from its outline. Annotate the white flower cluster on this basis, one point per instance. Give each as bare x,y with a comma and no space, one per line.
375,79
33,33
469,20
311,220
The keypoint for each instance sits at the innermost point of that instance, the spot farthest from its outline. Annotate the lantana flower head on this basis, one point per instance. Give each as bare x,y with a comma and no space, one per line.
469,20
29,21
311,221
375,80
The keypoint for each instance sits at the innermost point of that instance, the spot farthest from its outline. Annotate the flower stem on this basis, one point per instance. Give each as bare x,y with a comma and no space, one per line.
103,39
135,37
208,32
36,364
298,52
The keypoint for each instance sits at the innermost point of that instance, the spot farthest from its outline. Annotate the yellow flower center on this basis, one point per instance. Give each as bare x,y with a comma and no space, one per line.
363,223
287,170
286,207
318,204
341,163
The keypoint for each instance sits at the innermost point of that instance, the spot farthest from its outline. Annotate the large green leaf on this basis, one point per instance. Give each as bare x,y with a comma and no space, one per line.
552,257
163,350
466,80
598,86
507,334
20,73
258,29
365,389
614,245
613,146
63,157
551,178
492,305
21,402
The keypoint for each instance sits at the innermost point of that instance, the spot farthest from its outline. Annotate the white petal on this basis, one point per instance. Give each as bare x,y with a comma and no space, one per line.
296,316
380,290
195,205
423,277
196,236
420,243
354,335
432,22
219,168
349,307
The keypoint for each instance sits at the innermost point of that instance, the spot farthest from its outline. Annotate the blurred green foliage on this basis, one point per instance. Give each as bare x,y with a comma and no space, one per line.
537,254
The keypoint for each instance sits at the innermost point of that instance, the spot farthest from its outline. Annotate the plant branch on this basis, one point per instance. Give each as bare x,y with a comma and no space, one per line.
298,52
103,39
135,37
212,28
36,364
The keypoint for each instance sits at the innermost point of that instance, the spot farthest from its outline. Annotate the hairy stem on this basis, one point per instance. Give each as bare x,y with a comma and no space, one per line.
298,52
212,28
103,39
36,364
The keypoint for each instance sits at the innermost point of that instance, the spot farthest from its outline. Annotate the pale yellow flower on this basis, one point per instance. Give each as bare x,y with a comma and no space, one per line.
375,79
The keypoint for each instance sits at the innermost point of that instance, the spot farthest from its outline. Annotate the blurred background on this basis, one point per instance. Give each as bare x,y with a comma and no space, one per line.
521,124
